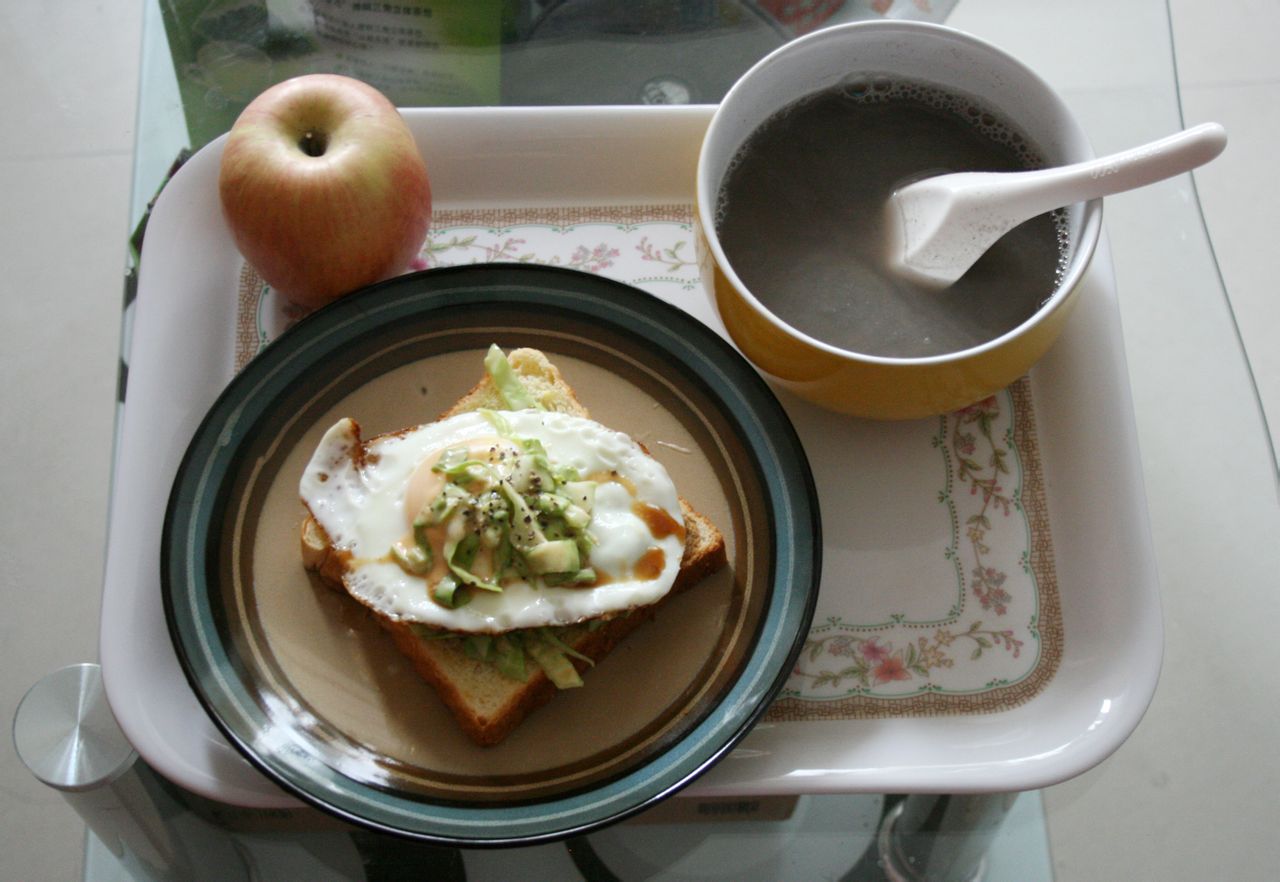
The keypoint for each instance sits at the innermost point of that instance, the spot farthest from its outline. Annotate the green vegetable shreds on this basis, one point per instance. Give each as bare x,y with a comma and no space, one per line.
509,386
502,514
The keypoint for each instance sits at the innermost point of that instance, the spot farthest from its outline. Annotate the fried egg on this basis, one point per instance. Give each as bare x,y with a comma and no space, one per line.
366,496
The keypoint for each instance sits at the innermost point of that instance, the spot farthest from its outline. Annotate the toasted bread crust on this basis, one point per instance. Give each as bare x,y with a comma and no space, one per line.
488,713
541,379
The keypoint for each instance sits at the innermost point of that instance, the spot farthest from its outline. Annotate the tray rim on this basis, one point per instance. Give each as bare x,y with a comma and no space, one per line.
889,755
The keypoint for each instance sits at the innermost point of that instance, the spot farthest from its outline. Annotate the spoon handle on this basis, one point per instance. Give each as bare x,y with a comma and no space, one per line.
1039,191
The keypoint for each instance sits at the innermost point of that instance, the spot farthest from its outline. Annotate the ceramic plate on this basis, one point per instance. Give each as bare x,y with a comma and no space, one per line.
308,687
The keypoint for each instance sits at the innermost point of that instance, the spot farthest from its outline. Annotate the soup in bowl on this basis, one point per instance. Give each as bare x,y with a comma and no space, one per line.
794,179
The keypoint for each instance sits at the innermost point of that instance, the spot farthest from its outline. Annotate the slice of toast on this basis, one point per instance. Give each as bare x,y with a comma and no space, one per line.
487,704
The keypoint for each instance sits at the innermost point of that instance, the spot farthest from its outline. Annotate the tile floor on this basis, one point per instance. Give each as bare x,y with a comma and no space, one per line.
1229,67
65,169
66,159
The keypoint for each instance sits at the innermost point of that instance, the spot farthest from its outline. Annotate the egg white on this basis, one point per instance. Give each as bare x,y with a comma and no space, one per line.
356,490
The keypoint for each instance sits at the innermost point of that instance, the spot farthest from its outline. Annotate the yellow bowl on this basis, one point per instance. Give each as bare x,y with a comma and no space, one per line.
868,385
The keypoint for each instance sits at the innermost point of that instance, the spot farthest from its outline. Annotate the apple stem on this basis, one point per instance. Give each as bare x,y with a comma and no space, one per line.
313,143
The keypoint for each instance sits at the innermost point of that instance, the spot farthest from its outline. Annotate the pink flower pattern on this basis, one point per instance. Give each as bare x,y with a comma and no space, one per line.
874,661
873,651
890,669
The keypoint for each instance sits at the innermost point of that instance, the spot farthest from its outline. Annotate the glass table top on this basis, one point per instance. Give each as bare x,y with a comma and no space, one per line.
1113,63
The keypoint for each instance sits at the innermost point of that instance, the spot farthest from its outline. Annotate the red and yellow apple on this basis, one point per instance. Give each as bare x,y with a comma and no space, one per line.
323,188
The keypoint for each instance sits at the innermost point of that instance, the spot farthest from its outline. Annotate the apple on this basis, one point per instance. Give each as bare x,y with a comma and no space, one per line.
323,188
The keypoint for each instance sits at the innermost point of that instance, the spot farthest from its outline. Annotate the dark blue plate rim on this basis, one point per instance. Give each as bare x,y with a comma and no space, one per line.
680,342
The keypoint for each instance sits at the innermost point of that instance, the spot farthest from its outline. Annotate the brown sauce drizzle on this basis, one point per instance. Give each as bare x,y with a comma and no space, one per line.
660,523
600,579
615,478
651,563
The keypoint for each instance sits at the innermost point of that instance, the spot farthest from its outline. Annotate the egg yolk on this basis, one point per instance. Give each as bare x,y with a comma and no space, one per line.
426,484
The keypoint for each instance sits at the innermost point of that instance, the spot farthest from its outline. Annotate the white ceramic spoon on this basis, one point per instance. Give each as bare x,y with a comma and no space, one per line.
940,226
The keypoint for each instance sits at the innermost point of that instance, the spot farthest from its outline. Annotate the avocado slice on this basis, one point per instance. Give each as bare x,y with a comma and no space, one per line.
553,556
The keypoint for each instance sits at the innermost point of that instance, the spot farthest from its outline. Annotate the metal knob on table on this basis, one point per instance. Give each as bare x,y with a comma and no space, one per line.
65,733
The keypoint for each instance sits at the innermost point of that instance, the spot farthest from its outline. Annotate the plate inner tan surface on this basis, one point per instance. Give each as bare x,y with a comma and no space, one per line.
340,677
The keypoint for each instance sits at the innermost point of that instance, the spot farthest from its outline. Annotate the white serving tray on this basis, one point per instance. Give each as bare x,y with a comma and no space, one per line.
181,355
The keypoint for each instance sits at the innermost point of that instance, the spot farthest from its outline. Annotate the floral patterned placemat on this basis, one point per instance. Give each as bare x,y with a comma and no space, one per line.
988,634
966,620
